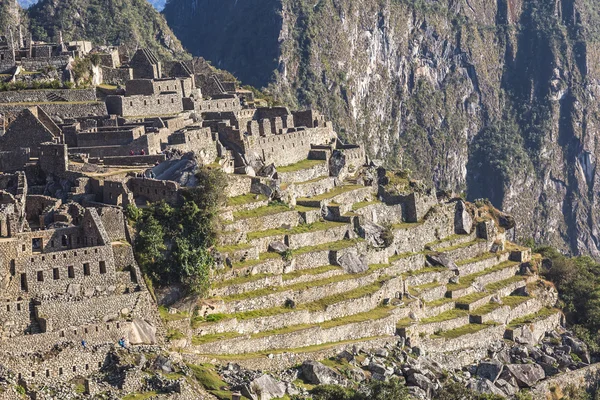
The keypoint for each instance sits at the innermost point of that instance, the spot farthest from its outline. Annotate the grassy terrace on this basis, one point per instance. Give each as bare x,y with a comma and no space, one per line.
511,301
450,238
446,316
271,209
312,271
407,225
240,280
363,204
493,287
468,280
305,208
233,248
305,228
247,198
470,298
316,306
304,285
378,313
263,257
299,166
461,331
424,270
298,350
460,246
481,257
332,193
317,179
531,318
332,246
401,256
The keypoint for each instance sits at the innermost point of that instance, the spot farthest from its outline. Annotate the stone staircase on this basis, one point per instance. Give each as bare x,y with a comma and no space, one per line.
308,297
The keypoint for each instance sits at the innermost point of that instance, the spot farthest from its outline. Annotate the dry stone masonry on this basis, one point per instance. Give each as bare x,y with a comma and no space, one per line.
320,249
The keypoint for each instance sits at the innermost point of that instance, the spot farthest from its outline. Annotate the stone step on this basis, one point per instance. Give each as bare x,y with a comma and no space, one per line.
361,299
379,322
511,308
245,202
311,188
426,275
447,320
239,252
473,283
532,327
450,241
317,233
345,194
305,292
267,263
429,291
272,216
465,250
303,171
482,262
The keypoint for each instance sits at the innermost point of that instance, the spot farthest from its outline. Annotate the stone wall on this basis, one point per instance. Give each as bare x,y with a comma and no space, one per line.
43,95
116,76
154,190
586,378
130,106
302,338
113,221
62,110
304,175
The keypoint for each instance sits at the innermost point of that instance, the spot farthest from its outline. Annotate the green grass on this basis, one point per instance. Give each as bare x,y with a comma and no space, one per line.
461,331
332,193
240,280
401,256
472,298
302,285
407,225
510,301
445,316
305,208
513,301
304,164
140,396
332,246
446,239
439,302
271,209
311,271
305,228
404,323
480,257
424,270
317,179
233,248
493,287
247,198
199,340
174,334
531,318
167,317
206,376
466,281
363,204
298,350
486,309
261,258
459,246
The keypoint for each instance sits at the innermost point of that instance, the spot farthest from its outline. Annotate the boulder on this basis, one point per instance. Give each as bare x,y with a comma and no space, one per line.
443,260
142,332
486,387
318,374
278,247
490,370
578,347
374,234
377,368
507,387
352,263
337,162
463,222
264,387
524,335
526,375
420,380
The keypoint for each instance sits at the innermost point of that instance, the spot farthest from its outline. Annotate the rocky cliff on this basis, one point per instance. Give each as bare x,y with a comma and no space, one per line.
131,23
494,98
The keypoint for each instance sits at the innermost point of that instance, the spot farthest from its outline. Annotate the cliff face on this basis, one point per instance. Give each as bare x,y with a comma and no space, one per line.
498,98
131,23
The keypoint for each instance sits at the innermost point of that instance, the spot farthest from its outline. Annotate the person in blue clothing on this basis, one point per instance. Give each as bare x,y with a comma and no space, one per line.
83,343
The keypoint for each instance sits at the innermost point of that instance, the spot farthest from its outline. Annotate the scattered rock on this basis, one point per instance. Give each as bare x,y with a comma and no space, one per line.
141,332
526,375
264,388
352,264
490,370
278,247
318,374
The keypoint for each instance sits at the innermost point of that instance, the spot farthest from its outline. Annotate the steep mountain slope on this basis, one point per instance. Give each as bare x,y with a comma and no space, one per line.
496,98
11,14
133,23
158,4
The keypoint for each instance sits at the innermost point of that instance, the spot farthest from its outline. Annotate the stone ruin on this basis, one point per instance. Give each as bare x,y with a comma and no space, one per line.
320,248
